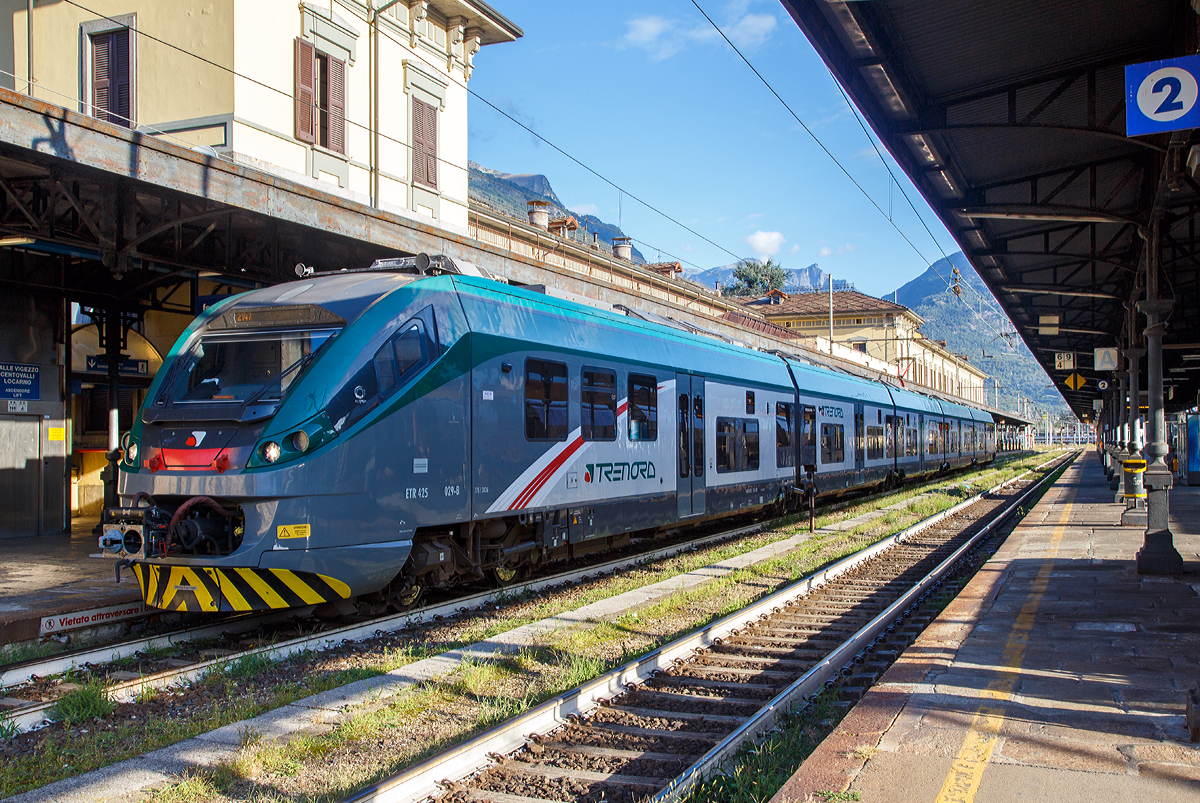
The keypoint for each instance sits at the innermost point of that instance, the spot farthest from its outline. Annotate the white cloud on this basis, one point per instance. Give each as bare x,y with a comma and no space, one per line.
765,244
795,248
847,248
754,216
585,209
662,38
687,248
825,251
751,30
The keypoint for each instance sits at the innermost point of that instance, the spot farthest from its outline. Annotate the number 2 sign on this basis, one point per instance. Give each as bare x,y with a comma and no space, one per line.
1161,96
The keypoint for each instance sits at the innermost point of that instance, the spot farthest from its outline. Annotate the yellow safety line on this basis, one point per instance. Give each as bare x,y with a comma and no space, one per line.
301,588
962,783
267,593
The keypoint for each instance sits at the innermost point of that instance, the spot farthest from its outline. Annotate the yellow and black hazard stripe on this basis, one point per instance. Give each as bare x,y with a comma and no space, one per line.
212,590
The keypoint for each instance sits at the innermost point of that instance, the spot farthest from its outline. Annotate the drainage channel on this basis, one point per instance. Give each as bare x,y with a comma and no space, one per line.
653,728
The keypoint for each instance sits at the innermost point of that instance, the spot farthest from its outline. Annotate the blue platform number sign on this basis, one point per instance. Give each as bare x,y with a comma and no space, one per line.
20,381
1161,96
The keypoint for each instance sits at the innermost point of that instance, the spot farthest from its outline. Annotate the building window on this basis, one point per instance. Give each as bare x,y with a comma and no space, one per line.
112,90
424,145
320,98
860,347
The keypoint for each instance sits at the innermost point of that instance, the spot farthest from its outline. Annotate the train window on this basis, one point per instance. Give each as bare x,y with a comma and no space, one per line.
726,445
808,435
749,402
545,400
889,437
643,408
398,358
859,439
598,399
912,443
737,445
833,443
685,466
749,461
874,443
697,436
785,455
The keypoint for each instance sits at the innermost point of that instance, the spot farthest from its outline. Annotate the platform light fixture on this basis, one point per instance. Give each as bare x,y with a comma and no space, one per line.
17,241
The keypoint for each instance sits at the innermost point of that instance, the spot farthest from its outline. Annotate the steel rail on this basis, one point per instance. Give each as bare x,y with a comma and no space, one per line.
17,673
425,779
30,717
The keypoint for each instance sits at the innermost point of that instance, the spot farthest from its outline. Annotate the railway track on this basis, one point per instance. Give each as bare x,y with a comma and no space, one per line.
270,636
652,729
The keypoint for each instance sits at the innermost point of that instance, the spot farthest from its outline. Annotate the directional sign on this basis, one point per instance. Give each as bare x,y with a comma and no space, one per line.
1105,359
1075,381
1161,96
1102,384
1097,404
1064,361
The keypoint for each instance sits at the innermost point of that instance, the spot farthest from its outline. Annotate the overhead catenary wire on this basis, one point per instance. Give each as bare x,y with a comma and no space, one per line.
835,160
474,94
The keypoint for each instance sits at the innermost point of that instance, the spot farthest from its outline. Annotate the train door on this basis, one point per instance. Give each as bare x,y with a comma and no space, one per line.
920,441
690,444
860,446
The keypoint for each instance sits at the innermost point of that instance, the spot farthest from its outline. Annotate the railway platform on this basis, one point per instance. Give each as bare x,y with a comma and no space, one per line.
1058,674
49,586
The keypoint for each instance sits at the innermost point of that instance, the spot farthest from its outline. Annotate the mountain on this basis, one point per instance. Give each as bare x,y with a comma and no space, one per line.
800,280
971,325
507,193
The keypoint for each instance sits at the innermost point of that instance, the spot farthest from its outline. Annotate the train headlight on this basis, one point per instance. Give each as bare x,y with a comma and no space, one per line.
131,453
271,451
300,441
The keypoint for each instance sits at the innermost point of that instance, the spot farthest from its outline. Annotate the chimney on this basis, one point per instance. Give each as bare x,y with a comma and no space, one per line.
539,214
596,241
622,248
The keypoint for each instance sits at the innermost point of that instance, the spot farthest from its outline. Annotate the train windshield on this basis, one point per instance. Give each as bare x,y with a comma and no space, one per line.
245,367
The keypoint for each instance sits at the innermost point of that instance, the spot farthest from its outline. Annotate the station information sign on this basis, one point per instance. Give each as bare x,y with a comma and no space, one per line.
1162,96
20,381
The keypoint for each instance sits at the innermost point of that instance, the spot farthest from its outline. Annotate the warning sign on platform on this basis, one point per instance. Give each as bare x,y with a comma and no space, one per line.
96,616
1075,381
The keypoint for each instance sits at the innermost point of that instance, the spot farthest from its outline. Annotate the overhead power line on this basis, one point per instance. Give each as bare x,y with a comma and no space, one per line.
837,162
440,160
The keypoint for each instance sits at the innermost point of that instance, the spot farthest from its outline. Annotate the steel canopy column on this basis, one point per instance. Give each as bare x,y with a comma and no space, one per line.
113,356
1158,554
1119,454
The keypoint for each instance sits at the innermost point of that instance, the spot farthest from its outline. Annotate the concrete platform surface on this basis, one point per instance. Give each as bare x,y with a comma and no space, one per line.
1058,674
52,576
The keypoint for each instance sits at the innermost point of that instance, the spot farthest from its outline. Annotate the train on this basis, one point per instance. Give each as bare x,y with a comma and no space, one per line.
352,439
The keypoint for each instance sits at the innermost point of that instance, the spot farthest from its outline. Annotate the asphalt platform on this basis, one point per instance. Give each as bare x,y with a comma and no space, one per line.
49,586
1058,674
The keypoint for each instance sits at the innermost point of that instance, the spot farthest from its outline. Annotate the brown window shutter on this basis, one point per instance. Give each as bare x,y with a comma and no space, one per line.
424,145
306,83
119,96
431,145
337,105
101,66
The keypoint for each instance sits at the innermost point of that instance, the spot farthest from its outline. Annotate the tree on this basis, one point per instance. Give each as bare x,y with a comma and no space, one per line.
754,278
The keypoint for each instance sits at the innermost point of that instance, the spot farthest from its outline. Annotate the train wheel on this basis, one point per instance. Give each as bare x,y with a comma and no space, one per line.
408,597
506,575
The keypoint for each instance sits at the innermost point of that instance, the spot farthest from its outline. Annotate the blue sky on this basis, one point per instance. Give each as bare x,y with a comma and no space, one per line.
650,97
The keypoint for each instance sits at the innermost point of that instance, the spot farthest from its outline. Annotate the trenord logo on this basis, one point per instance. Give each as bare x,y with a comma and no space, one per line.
618,472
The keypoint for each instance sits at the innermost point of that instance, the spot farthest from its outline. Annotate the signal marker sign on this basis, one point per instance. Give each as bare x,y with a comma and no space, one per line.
1075,381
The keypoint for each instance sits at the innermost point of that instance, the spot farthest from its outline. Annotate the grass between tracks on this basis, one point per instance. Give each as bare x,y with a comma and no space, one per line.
461,704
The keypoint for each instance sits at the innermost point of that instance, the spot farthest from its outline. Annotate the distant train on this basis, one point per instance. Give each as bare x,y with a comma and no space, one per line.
370,434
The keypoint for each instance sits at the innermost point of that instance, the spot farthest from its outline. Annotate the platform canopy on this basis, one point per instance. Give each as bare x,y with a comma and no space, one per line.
1009,117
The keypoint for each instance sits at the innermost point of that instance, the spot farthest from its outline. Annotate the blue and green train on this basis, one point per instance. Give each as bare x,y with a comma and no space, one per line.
357,438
